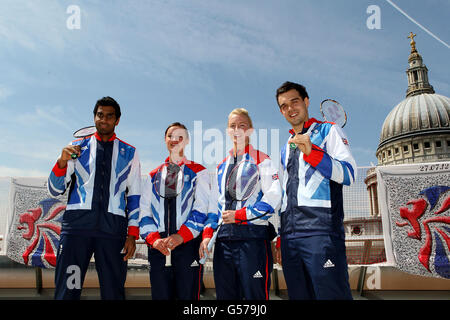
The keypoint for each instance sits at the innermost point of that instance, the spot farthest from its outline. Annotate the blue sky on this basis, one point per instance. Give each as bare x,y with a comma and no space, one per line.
194,61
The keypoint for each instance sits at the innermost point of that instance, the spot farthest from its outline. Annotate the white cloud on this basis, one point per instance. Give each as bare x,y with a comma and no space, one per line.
148,165
5,92
20,172
33,25
48,116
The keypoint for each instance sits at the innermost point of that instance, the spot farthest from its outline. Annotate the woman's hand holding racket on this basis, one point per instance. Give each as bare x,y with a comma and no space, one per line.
173,241
161,246
240,185
228,216
168,182
203,250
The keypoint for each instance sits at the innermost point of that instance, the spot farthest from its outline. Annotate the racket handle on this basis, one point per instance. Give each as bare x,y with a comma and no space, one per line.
212,241
203,260
74,156
209,247
168,259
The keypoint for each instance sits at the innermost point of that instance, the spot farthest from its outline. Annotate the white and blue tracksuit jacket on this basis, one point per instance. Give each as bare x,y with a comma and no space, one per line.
312,185
190,206
91,207
265,199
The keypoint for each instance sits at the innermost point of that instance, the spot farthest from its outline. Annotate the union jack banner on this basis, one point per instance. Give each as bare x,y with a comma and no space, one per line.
415,205
35,226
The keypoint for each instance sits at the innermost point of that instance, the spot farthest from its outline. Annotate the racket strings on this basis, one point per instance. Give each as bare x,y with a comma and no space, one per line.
242,181
168,181
84,132
171,180
332,111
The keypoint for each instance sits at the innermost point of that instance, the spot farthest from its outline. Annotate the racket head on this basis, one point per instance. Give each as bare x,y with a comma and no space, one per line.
332,111
85,132
168,180
243,180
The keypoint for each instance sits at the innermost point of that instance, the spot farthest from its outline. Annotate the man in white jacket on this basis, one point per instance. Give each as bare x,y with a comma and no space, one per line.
102,212
315,163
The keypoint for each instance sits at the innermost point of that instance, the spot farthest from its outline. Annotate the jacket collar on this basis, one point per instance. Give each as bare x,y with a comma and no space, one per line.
306,126
100,139
248,149
179,163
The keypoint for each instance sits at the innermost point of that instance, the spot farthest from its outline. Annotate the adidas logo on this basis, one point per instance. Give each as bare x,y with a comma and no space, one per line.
257,275
194,264
328,264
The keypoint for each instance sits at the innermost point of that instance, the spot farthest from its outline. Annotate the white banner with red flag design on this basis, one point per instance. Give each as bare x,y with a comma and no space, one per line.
414,202
34,223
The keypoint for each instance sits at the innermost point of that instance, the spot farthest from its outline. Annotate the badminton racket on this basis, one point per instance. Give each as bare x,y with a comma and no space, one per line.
168,183
241,184
332,111
83,133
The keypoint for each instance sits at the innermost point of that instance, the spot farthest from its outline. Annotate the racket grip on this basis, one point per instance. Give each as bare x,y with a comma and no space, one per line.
209,247
74,156
168,259
211,242
203,260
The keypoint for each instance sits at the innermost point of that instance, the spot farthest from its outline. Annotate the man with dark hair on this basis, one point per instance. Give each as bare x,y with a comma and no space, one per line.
315,163
108,101
287,86
102,212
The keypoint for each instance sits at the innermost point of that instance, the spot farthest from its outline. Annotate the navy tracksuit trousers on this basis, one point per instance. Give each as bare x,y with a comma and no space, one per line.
182,280
242,269
74,254
315,268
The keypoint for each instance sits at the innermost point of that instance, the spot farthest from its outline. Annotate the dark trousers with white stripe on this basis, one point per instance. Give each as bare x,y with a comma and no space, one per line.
242,269
181,281
315,268
74,254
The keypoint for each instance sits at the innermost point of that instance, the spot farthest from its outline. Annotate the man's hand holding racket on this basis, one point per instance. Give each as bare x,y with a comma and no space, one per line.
66,155
303,142
331,111
72,152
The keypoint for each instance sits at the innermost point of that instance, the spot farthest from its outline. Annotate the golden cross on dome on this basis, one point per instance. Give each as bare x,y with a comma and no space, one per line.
413,43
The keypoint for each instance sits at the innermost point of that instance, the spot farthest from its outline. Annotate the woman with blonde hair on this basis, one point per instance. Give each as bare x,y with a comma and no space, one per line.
242,256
